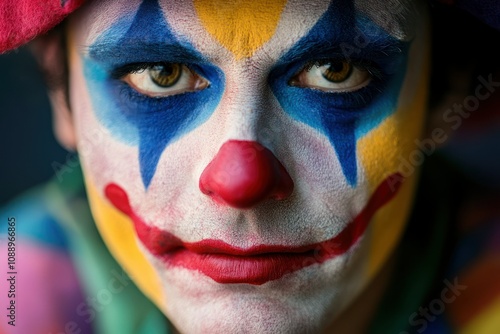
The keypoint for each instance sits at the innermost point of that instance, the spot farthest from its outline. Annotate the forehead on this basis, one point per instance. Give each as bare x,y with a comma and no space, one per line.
240,28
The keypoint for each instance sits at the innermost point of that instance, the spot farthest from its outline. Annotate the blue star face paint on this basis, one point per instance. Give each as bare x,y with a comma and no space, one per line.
150,123
343,116
235,139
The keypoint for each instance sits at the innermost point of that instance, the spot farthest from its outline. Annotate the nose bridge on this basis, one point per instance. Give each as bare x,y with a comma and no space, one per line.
244,172
246,105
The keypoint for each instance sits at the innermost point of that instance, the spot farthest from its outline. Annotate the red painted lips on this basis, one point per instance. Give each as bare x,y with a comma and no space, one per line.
256,265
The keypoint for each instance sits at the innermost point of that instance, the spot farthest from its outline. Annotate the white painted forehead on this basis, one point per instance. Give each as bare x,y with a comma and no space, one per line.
396,17
96,16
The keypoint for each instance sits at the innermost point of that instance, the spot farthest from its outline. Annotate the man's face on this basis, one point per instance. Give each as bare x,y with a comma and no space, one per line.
244,159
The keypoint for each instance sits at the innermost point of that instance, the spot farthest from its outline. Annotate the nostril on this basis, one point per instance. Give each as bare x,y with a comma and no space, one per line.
243,173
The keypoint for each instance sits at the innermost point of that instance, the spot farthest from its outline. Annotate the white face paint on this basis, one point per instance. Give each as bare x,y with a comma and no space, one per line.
254,147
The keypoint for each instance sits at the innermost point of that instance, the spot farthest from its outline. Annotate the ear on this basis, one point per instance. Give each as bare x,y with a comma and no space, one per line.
50,53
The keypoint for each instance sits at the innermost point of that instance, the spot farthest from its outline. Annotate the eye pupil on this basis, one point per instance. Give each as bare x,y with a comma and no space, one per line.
165,75
337,71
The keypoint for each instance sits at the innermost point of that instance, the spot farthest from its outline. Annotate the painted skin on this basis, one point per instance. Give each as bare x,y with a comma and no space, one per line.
333,93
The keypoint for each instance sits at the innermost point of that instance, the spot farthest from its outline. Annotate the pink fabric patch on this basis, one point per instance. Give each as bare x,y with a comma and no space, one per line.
23,20
47,291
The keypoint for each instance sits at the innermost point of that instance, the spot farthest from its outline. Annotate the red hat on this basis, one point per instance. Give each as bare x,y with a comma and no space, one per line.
23,20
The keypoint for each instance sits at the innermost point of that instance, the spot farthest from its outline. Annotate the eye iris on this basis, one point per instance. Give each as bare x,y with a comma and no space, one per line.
165,75
337,71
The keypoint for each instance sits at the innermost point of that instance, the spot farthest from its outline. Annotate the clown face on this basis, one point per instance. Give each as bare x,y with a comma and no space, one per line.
243,158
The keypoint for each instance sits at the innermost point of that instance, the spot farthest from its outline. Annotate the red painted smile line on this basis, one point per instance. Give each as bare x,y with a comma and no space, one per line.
256,265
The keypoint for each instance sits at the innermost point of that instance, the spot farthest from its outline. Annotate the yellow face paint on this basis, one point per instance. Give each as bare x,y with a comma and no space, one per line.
241,26
394,137
119,235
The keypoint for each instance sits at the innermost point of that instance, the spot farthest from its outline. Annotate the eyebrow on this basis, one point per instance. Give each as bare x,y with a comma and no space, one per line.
397,17
145,37
383,47
350,35
137,51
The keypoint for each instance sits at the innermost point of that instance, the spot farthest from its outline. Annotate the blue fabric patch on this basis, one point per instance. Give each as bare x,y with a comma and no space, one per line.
33,222
439,326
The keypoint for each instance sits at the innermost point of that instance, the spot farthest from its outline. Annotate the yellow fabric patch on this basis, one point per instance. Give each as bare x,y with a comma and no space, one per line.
488,321
119,235
405,124
241,26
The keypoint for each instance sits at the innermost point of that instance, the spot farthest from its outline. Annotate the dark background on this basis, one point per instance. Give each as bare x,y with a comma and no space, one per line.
28,147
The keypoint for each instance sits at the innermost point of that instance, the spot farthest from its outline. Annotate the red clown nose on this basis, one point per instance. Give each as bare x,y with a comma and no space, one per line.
244,173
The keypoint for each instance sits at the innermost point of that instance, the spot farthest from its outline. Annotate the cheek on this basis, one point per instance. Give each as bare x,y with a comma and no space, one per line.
391,148
381,154
103,159
119,235
106,160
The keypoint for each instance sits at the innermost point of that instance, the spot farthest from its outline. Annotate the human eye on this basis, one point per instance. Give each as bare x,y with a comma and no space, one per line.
333,75
161,79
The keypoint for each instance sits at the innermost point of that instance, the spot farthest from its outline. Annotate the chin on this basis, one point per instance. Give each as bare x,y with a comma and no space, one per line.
304,301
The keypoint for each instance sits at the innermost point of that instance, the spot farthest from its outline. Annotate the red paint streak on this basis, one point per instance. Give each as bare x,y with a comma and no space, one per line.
259,264
118,198
244,173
